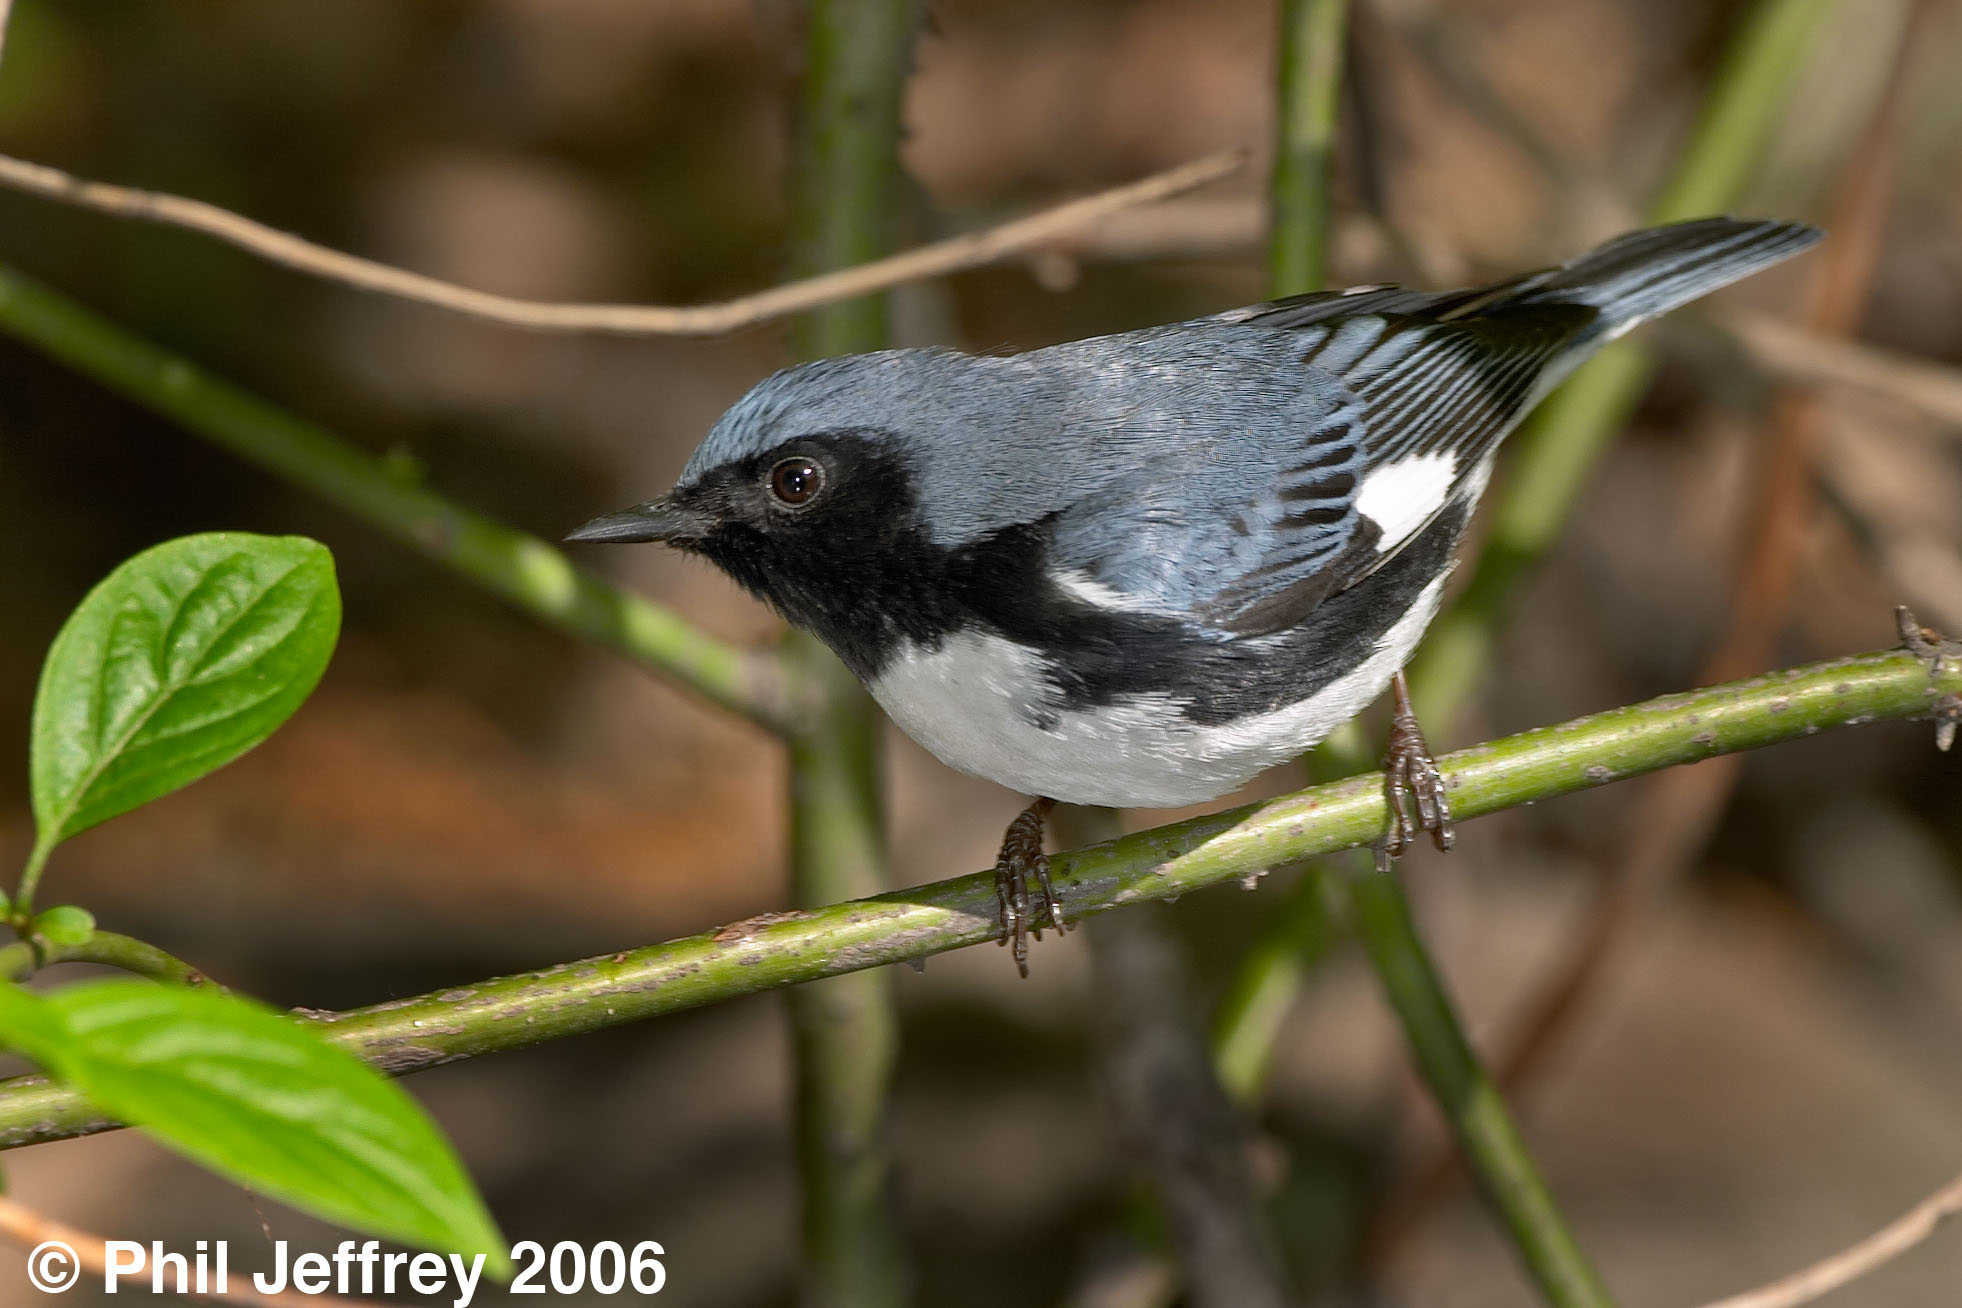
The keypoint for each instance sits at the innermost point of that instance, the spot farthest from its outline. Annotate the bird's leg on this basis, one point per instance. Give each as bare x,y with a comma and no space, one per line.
1410,767
1021,854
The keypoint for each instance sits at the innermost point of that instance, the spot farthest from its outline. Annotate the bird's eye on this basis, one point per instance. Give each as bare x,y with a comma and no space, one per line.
796,481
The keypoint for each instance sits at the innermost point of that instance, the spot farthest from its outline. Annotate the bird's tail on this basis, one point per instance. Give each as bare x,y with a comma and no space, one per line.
1642,274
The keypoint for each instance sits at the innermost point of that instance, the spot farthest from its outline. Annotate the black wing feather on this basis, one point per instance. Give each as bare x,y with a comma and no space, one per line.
1423,385
1450,373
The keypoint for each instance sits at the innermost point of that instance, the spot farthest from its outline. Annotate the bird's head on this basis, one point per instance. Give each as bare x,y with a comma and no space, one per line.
806,493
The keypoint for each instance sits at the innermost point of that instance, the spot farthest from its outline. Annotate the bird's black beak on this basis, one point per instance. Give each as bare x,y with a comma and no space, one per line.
661,520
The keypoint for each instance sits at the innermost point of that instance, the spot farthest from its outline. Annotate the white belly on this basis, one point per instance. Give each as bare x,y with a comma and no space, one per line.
983,706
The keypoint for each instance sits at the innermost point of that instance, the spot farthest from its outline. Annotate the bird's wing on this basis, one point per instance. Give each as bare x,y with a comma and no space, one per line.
1399,397
1319,307
1436,384
1393,409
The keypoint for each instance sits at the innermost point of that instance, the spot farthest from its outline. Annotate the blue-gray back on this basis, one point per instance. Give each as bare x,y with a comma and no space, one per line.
1220,469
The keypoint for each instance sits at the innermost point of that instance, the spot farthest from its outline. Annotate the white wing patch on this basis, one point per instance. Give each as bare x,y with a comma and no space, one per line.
1094,593
1401,497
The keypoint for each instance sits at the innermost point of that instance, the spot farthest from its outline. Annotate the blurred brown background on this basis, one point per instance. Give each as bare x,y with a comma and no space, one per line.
1774,1066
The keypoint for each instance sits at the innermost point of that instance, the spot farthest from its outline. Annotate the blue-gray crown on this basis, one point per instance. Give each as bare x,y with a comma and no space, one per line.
864,392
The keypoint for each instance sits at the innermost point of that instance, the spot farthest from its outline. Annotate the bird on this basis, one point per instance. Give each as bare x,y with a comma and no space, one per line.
1138,569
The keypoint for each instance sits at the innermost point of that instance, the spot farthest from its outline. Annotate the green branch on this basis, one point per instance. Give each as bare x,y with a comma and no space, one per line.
1308,95
784,949
109,949
845,1030
1247,1025
22,959
1470,1102
522,569
1309,90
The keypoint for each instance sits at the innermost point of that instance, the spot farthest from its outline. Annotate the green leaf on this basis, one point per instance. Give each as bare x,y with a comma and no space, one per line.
26,1024
261,1098
65,924
182,659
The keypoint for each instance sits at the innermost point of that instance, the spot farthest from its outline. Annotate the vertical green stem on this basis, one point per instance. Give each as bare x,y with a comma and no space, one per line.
857,53
30,877
1247,1027
1470,1102
845,1029
1311,921
1309,93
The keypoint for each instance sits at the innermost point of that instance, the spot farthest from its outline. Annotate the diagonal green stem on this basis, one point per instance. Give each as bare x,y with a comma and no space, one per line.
1550,461
845,1029
1556,450
776,950
1470,1102
520,568
1553,456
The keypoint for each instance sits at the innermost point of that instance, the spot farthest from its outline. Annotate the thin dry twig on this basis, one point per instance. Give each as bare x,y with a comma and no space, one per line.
33,1232
1848,1265
966,251
1198,227
1799,355
1899,519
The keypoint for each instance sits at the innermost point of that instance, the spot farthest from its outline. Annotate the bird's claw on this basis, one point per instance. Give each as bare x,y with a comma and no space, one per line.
1411,780
1022,854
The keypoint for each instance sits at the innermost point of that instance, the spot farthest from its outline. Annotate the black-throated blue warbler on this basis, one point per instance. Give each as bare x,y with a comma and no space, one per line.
1138,569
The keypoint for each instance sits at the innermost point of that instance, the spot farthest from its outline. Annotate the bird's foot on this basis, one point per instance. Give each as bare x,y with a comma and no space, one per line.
1410,768
1022,854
